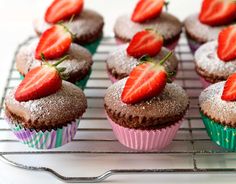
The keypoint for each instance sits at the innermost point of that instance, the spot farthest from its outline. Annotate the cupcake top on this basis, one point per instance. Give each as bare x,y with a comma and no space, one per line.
212,105
77,66
168,107
166,24
120,64
55,110
87,26
201,32
207,60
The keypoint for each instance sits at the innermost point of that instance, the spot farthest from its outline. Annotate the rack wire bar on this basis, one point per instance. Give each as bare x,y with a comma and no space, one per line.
190,152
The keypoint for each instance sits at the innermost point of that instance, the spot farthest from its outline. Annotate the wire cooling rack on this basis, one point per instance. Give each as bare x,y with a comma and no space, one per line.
95,154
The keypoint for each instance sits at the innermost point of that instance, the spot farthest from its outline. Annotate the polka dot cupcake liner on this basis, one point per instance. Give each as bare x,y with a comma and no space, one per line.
223,136
44,139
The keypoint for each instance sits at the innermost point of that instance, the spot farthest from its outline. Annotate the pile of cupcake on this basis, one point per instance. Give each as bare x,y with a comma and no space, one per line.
144,106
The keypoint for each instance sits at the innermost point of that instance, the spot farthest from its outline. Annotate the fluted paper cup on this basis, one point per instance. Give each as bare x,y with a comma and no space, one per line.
145,140
44,139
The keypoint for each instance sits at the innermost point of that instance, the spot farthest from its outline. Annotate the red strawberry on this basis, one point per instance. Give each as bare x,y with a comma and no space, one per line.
229,93
217,12
63,9
227,44
147,9
145,81
146,42
54,42
40,82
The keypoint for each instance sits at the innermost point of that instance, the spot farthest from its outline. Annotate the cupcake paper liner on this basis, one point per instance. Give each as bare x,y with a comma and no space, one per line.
170,46
145,140
92,47
205,83
47,139
193,45
223,136
112,79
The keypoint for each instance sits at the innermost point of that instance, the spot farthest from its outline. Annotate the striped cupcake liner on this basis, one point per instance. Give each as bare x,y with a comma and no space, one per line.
47,139
145,140
223,136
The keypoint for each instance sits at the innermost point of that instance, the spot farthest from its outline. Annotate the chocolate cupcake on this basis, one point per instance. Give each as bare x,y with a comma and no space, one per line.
204,27
216,61
47,122
120,64
144,111
86,25
167,25
78,65
150,124
217,108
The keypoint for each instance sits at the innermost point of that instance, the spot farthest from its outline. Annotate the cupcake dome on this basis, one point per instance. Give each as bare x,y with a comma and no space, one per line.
87,26
166,24
78,65
209,66
120,64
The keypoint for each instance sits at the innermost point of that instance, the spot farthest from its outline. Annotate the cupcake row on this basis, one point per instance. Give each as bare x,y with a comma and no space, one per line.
143,106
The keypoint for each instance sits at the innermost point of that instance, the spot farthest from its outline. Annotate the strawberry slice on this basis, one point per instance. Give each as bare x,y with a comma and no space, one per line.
54,42
229,92
63,9
40,82
147,9
145,81
227,44
217,12
146,42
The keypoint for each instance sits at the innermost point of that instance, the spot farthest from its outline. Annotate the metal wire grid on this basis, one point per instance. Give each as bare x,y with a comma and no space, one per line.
191,151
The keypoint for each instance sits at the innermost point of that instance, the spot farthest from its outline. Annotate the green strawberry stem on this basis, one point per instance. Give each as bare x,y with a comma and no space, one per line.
166,58
166,4
61,60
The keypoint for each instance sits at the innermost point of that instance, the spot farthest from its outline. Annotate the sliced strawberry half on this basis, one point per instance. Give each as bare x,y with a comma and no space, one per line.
147,9
217,12
54,42
227,44
229,92
147,42
40,82
145,81
63,9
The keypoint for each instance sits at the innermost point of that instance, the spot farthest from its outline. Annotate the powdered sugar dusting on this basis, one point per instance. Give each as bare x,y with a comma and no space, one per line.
86,23
79,59
173,101
123,64
65,105
207,59
202,32
213,106
167,25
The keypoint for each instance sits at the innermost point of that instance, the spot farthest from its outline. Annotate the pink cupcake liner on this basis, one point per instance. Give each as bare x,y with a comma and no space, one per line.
145,140
170,46
205,83
112,79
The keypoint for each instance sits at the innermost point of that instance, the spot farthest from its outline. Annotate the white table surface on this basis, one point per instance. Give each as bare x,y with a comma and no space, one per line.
16,25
